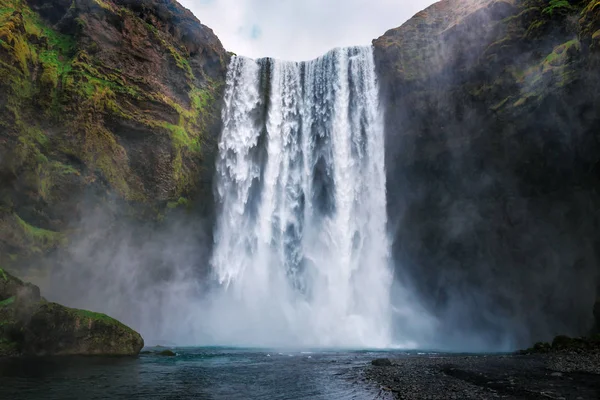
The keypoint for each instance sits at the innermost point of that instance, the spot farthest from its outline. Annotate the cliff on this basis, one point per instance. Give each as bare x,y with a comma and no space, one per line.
103,103
492,156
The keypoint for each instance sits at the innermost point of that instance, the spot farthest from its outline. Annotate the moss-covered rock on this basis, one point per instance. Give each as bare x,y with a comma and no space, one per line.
111,101
565,344
29,325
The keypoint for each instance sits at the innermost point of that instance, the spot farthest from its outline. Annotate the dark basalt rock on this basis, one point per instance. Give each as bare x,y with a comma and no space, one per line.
381,362
29,325
492,167
565,344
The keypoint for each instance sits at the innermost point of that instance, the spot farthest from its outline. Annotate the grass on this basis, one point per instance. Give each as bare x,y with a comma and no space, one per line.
40,236
94,316
558,6
181,202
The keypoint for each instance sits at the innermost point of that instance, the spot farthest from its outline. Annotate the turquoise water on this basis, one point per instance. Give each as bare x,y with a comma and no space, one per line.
200,373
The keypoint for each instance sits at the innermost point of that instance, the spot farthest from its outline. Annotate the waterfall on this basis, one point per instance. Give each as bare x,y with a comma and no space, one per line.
301,250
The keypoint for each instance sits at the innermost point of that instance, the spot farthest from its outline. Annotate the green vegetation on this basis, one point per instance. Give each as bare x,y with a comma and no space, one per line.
73,119
94,316
558,6
181,202
3,275
40,238
7,302
565,344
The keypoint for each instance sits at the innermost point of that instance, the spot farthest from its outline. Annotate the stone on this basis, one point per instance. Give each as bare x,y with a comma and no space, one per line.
32,326
381,362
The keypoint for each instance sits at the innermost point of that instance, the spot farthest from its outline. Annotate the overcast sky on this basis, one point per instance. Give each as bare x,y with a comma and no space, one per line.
300,29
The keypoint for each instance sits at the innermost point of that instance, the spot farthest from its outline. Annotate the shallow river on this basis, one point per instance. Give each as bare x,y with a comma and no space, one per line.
202,373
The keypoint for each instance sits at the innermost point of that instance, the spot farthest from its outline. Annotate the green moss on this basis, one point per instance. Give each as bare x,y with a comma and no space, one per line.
94,316
181,202
49,176
558,6
41,238
500,104
103,4
180,60
3,275
181,138
8,347
7,302
520,102
53,82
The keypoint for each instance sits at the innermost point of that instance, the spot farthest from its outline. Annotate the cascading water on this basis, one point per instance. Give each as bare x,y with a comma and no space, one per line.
301,249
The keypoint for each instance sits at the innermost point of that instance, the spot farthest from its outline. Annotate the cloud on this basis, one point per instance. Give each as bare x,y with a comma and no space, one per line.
300,29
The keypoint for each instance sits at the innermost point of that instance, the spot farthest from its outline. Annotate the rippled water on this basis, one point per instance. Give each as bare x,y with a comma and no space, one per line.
207,373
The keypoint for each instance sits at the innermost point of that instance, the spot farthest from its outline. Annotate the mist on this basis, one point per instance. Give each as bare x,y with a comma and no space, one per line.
491,216
490,179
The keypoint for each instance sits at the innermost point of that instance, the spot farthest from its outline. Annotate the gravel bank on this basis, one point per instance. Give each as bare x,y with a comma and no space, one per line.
550,376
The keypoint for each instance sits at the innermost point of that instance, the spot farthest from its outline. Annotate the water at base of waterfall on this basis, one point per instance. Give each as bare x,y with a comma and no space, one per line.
301,251
201,373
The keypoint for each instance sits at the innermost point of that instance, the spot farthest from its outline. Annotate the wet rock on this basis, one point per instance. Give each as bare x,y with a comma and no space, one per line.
29,325
381,362
167,353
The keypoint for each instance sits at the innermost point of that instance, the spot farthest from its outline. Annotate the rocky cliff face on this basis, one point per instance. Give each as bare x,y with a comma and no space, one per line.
492,156
102,103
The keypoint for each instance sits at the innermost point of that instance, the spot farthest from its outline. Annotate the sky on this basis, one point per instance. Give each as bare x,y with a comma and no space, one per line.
298,30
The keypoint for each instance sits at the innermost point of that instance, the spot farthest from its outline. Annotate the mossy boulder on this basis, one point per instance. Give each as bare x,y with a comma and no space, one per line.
565,344
29,325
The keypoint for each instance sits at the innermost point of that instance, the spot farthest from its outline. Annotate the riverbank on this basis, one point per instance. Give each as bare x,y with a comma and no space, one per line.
537,376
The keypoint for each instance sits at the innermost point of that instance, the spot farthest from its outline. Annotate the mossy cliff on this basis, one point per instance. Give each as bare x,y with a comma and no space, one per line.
29,325
101,102
492,148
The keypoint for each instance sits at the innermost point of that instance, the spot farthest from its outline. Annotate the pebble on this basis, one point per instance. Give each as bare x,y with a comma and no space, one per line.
491,377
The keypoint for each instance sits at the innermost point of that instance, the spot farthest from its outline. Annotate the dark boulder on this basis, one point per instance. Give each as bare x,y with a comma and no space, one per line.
29,325
381,362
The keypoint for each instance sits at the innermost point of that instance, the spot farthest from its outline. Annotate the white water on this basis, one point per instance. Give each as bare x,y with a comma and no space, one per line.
301,250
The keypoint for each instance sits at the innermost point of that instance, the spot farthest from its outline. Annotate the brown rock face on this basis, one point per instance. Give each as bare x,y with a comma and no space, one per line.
492,143
112,104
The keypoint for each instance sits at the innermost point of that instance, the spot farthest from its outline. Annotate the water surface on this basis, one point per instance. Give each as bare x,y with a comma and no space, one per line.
202,373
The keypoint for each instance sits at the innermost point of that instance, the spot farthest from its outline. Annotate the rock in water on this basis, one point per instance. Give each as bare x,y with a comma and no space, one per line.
29,325
382,362
167,353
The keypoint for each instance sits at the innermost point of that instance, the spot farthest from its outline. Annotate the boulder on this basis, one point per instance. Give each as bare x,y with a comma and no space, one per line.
381,362
32,326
